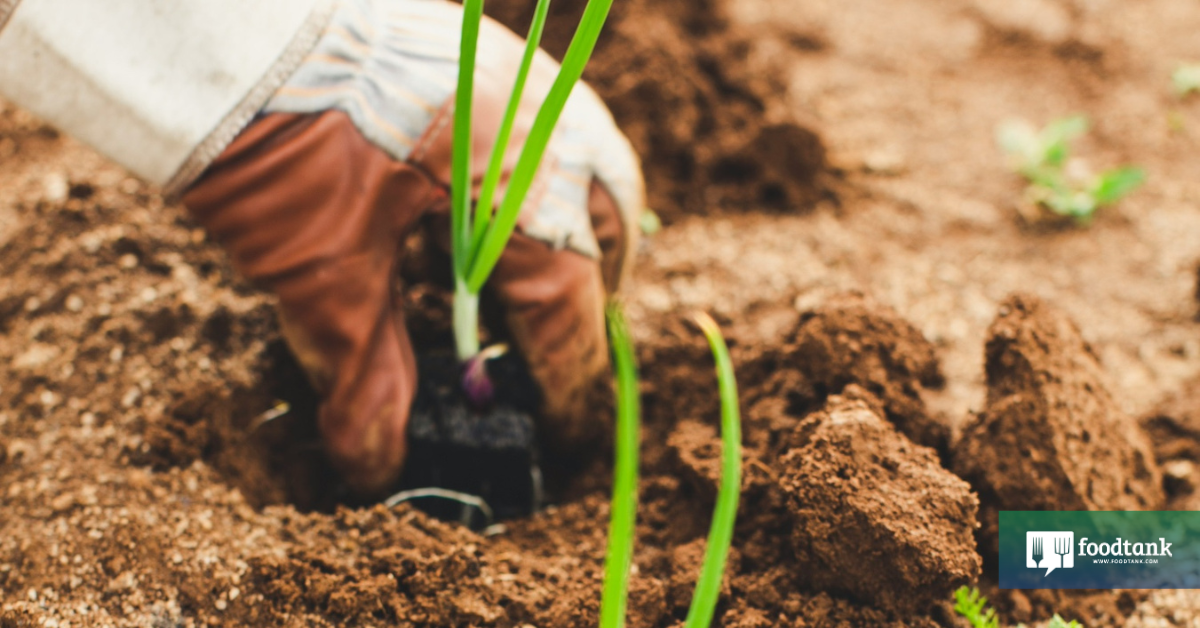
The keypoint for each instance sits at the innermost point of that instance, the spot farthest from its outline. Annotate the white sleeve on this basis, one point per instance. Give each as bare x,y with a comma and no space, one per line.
159,87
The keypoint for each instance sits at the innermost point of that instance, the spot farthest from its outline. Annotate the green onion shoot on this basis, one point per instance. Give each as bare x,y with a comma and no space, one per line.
720,535
625,474
476,245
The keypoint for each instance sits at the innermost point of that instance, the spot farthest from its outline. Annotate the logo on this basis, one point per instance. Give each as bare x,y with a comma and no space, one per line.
1049,550
1099,549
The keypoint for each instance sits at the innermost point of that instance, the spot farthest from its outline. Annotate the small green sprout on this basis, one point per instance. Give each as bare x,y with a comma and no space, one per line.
972,605
720,535
1057,182
1186,79
625,474
649,222
1058,622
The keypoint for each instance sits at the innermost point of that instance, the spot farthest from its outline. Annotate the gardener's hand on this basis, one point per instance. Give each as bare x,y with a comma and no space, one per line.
312,208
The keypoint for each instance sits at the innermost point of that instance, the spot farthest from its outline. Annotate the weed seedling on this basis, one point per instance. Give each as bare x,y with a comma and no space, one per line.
1186,79
972,605
476,241
720,535
625,474
1057,182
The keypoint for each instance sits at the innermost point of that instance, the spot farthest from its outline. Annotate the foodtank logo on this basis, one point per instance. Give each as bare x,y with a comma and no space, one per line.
1049,550
1056,550
1099,549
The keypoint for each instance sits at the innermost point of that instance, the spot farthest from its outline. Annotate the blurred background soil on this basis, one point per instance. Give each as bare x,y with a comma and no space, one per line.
799,152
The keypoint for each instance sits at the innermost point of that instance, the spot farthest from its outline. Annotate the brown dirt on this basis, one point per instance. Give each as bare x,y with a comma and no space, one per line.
1052,437
850,340
876,515
1174,429
800,152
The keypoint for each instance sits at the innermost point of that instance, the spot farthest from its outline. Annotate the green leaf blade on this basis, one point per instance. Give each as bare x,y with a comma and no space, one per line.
623,515
1115,184
720,535
491,180
460,157
972,605
502,224
1057,135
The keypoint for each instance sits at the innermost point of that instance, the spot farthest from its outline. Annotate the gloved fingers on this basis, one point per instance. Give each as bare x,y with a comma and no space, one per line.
553,307
343,325
310,209
563,206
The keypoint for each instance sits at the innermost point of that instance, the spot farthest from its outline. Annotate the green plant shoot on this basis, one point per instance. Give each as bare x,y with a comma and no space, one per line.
1186,79
476,244
625,474
972,605
1036,150
720,535
502,224
466,303
1058,622
491,180
1057,182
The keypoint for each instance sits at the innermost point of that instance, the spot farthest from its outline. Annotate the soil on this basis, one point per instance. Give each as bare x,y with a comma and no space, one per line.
833,195
1051,437
913,545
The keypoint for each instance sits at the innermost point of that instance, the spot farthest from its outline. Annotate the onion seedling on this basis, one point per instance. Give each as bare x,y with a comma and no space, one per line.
720,535
477,241
623,514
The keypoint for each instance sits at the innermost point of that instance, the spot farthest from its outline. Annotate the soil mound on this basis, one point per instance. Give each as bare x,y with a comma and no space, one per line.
851,340
876,516
1052,436
701,108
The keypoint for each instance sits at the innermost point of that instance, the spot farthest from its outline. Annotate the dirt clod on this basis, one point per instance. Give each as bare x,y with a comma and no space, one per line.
875,515
850,340
698,452
1052,436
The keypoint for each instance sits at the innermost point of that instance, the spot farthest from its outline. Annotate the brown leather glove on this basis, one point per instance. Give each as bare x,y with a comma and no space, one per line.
316,213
